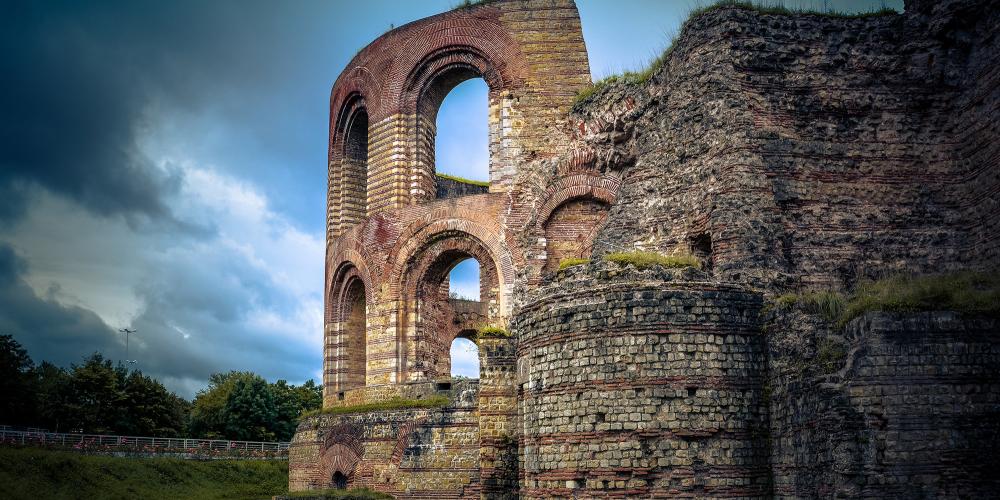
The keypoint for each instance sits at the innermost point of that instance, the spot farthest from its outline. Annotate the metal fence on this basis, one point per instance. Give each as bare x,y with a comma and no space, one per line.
153,444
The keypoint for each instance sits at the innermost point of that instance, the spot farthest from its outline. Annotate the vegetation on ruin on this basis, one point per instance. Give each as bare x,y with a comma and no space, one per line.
571,262
465,4
644,259
351,494
653,66
965,292
435,401
463,180
492,332
34,473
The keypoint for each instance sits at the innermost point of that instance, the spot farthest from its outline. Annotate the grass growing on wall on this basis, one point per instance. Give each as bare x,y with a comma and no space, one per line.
463,180
492,332
436,401
644,260
764,7
52,475
966,292
571,262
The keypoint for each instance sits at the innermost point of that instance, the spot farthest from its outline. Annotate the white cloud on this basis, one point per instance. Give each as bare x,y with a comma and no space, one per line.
248,296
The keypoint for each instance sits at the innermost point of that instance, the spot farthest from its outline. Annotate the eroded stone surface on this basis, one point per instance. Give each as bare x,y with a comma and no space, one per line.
785,152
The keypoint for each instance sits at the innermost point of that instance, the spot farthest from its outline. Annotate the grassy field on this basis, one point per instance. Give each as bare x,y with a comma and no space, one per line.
36,474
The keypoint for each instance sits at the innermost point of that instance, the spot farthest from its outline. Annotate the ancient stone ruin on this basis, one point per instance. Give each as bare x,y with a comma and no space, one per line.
777,152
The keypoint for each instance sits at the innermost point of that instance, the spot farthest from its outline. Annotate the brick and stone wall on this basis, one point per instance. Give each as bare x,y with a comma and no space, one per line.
894,406
420,453
786,152
452,188
641,384
811,150
531,55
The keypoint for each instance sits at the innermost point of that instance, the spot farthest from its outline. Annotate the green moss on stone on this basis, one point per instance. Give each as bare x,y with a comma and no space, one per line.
645,260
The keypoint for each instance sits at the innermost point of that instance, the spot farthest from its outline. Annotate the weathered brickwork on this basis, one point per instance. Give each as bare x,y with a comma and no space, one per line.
908,407
812,150
532,57
641,385
785,152
407,453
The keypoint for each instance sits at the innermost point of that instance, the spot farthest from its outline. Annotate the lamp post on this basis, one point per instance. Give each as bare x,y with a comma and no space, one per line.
127,332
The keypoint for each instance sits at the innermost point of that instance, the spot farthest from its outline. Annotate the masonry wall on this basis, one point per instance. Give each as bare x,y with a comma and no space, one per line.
531,55
451,188
424,453
811,150
641,385
895,406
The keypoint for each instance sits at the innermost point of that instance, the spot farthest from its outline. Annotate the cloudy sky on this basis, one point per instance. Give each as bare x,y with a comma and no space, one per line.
162,168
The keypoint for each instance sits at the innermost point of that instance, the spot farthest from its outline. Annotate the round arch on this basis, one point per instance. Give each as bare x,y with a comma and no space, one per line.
427,319
346,332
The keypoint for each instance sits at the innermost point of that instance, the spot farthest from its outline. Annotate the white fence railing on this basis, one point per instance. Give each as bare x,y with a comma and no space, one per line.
136,442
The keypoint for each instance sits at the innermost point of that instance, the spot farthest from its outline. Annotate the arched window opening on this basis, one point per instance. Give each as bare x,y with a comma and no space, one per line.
354,182
463,281
354,327
461,144
464,358
339,481
570,230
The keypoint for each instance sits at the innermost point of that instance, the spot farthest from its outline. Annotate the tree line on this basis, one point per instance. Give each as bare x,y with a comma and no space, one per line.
98,396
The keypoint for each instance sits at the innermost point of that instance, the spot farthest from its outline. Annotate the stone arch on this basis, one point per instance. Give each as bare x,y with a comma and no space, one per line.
573,211
350,174
342,451
443,220
432,81
355,95
427,320
346,334
532,82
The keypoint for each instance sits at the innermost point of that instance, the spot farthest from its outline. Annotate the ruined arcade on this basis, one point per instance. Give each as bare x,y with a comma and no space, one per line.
775,153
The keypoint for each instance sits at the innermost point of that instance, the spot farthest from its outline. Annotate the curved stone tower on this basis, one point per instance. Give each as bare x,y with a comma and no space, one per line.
642,384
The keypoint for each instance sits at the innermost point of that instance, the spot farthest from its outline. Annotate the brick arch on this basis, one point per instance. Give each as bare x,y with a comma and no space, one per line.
420,233
342,452
533,75
490,47
438,59
345,346
600,192
429,319
420,250
348,256
603,188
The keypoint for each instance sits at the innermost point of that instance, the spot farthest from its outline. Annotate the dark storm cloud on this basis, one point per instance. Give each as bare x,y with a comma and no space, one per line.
82,80
48,330
197,320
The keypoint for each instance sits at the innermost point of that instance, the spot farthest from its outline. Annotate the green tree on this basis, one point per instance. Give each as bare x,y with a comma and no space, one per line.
52,396
148,408
17,383
97,398
250,410
291,401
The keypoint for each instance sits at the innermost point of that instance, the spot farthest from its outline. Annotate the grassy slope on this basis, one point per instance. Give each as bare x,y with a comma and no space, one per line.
44,474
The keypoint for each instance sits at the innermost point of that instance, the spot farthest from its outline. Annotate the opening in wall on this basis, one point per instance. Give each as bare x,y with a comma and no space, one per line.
354,328
464,358
461,144
701,248
463,281
465,295
354,181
